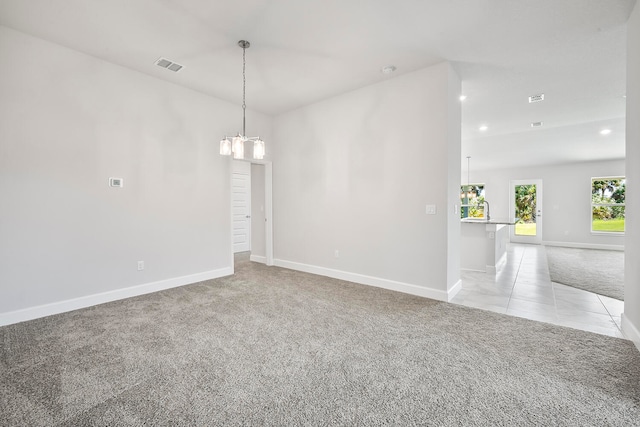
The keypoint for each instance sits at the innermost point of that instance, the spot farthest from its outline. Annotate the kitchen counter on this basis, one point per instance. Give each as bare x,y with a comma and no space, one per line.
483,244
484,221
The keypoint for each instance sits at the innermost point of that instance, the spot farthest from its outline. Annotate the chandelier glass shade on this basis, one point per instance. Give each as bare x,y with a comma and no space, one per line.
236,144
225,147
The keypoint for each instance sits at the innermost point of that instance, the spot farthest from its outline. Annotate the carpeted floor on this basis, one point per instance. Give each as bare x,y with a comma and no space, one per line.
597,271
270,346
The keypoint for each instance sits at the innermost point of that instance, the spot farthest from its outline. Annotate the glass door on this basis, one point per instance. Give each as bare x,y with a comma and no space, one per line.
526,211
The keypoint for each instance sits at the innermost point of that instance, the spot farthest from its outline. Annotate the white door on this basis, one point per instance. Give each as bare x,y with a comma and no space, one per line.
526,210
241,207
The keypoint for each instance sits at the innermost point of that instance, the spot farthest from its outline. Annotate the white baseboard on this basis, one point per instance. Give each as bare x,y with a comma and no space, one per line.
258,258
370,280
631,331
454,290
493,269
473,269
585,246
36,312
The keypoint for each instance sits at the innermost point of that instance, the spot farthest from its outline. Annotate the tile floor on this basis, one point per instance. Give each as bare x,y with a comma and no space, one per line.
522,288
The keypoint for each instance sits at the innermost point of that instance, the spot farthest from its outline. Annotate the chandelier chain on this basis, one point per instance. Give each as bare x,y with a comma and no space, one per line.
244,90
236,144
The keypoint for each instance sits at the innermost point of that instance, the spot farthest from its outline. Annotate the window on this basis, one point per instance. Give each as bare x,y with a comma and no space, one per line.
472,201
607,205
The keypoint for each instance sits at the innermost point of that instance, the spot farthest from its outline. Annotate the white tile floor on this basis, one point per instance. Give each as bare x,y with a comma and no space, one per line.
522,288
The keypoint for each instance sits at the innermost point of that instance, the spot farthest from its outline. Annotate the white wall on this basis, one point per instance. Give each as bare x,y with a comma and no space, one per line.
631,319
354,174
258,203
71,121
566,199
454,145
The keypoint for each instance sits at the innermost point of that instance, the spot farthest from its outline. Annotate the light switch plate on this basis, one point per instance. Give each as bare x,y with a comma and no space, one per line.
116,182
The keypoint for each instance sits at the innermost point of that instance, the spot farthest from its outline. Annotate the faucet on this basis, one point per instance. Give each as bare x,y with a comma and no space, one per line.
487,211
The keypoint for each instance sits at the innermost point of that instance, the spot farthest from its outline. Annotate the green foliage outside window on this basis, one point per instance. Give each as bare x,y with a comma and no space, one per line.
608,204
525,203
472,201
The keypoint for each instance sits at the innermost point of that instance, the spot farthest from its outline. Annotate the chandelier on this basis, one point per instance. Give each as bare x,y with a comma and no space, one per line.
235,145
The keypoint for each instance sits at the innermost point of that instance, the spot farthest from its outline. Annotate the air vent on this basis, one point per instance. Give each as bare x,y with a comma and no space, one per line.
536,98
536,124
388,69
169,65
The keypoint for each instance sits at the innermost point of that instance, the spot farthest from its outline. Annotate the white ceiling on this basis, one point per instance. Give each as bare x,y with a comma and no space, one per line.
303,51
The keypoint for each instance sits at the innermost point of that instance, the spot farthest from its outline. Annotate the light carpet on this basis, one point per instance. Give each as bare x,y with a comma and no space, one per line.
593,270
270,346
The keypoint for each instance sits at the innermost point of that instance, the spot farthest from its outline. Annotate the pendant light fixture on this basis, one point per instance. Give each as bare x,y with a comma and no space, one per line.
235,145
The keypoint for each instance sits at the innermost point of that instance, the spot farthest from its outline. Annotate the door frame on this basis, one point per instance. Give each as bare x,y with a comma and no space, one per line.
537,239
268,210
237,170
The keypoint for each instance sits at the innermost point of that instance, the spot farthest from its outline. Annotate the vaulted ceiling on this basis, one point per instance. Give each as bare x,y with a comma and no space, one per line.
303,51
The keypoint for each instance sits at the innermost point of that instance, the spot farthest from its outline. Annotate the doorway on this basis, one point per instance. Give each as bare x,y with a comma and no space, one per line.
241,206
251,210
525,203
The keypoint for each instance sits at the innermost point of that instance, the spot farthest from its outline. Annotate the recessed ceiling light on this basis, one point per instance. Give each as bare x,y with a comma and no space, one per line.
605,131
483,128
388,69
463,97
536,124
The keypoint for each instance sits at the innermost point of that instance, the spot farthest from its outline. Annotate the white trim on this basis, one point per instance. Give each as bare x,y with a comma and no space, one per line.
230,227
585,245
608,233
473,269
258,258
268,207
362,279
454,290
493,269
36,312
630,331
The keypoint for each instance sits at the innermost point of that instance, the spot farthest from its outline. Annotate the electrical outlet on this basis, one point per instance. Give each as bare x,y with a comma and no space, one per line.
431,210
140,265
336,253
116,182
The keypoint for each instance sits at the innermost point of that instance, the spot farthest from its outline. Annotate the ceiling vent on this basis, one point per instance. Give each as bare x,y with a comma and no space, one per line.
536,98
536,124
388,69
169,65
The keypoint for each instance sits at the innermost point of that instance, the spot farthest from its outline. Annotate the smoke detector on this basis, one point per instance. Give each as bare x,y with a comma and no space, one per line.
169,65
536,98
